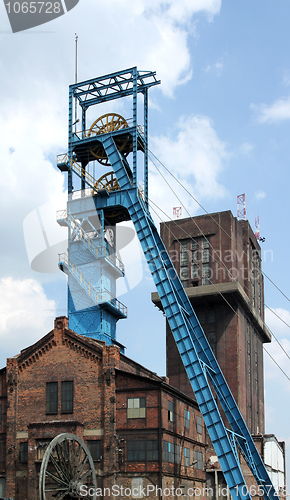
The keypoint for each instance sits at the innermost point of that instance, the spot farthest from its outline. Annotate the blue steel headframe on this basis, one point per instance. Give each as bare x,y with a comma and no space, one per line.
106,88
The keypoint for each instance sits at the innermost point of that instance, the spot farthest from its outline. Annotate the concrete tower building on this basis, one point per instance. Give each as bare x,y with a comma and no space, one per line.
218,260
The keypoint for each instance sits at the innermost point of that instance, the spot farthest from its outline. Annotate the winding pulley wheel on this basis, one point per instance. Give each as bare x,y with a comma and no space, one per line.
67,470
103,125
108,181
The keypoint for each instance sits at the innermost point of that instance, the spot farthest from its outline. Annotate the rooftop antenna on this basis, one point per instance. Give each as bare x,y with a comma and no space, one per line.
177,211
241,202
76,79
257,227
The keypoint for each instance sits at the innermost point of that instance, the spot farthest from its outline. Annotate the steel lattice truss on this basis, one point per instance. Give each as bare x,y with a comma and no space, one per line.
113,86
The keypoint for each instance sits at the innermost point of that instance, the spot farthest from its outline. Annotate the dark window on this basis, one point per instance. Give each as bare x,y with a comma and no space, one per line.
136,451
198,462
67,397
142,450
152,450
23,456
171,452
41,447
171,411
186,419
0,414
186,457
199,424
211,316
94,449
51,397
136,408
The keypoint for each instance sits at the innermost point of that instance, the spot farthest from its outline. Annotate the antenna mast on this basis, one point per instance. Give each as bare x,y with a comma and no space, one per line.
76,79
241,202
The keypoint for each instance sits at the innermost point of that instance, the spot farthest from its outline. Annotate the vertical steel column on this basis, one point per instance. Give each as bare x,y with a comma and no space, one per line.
70,132
83,183
146,147
135,126
84,123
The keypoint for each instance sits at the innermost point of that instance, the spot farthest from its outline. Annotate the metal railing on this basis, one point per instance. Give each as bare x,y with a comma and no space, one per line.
98,296
98,251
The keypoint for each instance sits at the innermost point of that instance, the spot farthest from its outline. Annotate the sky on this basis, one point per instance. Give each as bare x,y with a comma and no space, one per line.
220,122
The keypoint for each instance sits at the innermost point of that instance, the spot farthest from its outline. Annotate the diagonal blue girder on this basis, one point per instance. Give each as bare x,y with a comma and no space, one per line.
193,346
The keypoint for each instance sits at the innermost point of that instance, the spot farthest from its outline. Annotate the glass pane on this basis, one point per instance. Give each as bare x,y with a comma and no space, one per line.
51,397
205,255
95,449
184,273
195,271
67,396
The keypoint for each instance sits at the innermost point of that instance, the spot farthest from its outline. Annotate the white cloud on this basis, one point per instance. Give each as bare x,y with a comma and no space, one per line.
217,68
260,195
246,148
196,157
278,111
26,314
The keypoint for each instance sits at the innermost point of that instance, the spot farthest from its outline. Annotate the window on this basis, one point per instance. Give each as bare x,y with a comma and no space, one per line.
23,455
186,419
141,450
94,449
41,447
67,397
195,264
136,408
51,397
186,457
184,262
198,462
211,316
0,414
171,411
171,452
199,424
136,451
152,450
206,274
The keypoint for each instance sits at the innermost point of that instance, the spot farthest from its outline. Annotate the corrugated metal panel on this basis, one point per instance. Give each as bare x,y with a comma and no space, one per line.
273,454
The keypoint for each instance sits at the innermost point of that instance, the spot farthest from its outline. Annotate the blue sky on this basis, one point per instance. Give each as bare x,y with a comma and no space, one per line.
220,122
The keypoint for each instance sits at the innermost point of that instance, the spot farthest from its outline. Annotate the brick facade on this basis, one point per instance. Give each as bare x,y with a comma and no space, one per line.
104,383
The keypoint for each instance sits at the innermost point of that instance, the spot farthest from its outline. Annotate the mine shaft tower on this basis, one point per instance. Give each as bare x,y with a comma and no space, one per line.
92,265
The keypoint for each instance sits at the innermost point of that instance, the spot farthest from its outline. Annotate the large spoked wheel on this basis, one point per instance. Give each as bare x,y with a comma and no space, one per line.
108,181
103,125
67,470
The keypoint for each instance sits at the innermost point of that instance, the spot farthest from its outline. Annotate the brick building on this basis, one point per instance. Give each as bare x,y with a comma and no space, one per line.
139,429
218,260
